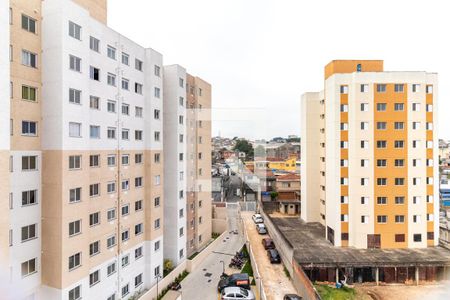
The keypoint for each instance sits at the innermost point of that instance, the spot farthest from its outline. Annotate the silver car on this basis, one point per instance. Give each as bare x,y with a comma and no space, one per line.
237,293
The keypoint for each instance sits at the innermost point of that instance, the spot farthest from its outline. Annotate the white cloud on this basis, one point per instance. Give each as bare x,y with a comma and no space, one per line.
265,54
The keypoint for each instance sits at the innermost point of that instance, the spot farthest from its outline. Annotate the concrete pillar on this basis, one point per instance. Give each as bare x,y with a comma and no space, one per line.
417,275
337,274
377,275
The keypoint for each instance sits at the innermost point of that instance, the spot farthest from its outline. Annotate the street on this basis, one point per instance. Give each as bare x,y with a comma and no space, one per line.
202,283
275,282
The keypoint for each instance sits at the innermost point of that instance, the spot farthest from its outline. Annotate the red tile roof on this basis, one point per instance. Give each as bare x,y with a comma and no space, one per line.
288,177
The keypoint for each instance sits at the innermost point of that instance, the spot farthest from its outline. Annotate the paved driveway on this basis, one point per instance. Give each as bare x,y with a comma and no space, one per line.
202,283
275,282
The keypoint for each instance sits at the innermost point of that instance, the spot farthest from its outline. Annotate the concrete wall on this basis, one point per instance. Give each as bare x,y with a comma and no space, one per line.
163,283
302,283
192,264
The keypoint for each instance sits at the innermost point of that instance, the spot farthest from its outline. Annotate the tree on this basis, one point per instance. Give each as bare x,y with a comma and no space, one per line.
244,146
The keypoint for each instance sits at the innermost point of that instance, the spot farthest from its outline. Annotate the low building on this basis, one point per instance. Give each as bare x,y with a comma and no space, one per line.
288,189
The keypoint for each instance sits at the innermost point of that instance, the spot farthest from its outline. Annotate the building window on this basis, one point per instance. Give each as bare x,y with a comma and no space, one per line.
416,106
75,228
399,238
399,200
28,232
74,129
416,218
74,63
381,88
417,237
138,64
399,219
138,182
399,125
75,195
138,88
125,109
75,293
94,73
381,144
111,241
157,223
381,200
111,52
138,135
74,162
138,229
125,84
125,59
29,59
74,30
111,214
74,96
138,280
125,209
74,261
125,290
157,92
157,136
28,24
94,132
29,128
344,89
364,88
29,267
125,237
111,79
157,180
29,197
125,134
181,82
138,112
382,219
381,162
94,248
381,106
181,101
415,88
399,162
29,93
181,232
398,88
398,106
381,181
364,107
125,184
111,106
29,163
111,269
138,158
94,219
94,102
94,190
181,253
111,187
138,205
94,44
157,201
157,71
399,181
399,144
429,90
157,246
94,278
381,125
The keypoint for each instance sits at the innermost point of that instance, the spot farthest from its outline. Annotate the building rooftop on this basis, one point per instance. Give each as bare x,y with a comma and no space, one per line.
312,249
288,177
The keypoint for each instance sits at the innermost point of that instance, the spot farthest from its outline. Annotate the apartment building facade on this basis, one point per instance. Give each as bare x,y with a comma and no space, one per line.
199,183
369,155
82,155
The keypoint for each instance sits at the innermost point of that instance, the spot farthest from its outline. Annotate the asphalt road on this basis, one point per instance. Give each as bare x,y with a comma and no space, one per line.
202,283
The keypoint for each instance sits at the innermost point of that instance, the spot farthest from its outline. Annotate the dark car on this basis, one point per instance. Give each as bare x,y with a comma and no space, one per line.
274,257
268,243
292,297
238,279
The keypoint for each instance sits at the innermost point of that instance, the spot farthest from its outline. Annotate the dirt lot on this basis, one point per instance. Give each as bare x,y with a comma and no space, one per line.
275,281
403,292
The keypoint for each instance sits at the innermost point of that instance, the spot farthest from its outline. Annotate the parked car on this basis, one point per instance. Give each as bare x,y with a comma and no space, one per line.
274,256
257,218
261,228
292,297
237,293
234,280
268,243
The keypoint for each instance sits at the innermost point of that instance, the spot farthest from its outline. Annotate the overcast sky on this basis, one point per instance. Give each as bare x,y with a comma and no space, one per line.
261,55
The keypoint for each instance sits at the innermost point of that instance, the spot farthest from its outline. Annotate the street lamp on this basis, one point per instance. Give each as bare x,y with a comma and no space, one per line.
158,276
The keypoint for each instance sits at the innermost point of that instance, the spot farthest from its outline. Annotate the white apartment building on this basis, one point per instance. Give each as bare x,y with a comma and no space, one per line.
85,158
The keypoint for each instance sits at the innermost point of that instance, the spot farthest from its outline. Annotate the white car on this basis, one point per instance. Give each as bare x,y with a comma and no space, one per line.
257,218
261,228
237,293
